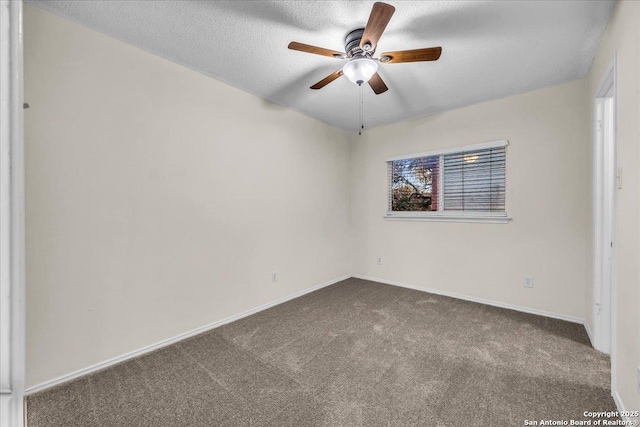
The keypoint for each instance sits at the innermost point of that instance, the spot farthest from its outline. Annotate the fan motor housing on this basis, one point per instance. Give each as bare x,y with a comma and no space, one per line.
352,43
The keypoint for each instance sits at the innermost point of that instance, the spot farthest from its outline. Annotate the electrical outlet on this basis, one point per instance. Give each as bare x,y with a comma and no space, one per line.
528,282
274,276
379,261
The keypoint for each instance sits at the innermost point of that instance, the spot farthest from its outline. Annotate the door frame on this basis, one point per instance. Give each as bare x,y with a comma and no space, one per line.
12,195
607,180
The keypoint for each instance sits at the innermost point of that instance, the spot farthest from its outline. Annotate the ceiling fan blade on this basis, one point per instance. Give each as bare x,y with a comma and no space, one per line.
380,16
377,84
317,50
331,77
415,55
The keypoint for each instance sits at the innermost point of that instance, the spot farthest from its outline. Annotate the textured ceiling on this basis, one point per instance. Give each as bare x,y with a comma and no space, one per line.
490,49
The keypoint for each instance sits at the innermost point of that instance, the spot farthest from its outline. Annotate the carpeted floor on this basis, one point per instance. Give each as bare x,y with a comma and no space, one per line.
356,353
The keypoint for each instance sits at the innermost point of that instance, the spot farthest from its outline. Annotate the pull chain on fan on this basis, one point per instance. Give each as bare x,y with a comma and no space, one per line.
361,112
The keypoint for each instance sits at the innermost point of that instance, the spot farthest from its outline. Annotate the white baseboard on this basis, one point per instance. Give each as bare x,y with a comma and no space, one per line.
6,409
105,364
589,333
474,299
620,406
164,343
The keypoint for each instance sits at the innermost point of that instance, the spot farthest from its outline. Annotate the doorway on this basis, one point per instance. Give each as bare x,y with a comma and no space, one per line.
607,181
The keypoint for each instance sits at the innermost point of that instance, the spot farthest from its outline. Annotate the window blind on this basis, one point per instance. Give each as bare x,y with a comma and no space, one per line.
474,181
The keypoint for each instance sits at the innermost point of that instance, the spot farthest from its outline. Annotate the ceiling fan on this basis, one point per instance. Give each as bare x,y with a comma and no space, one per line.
360,46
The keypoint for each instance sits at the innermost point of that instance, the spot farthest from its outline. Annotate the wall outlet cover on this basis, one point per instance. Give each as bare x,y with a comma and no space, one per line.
528,282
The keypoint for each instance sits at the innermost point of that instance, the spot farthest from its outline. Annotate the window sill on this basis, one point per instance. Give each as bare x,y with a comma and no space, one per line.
436,217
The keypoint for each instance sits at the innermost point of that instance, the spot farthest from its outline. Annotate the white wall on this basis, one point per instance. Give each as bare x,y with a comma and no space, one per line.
160,200
547,197
623,36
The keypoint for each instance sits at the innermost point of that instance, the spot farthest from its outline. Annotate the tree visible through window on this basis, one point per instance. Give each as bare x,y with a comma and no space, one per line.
415,184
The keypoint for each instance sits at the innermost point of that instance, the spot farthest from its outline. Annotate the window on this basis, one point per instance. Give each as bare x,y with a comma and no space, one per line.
466,184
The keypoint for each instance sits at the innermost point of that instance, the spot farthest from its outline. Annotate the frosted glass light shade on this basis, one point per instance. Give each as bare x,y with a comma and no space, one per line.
360,70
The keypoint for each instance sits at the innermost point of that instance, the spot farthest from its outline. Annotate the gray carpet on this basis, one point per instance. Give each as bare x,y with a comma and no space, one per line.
356,353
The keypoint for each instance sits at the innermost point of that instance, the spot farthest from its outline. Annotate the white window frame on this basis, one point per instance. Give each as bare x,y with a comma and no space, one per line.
450,216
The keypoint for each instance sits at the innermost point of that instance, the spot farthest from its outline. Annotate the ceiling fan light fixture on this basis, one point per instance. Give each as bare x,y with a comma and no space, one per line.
360,45
360,70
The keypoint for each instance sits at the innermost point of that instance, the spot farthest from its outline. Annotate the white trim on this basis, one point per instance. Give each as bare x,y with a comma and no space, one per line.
7,409
5,204
607,87
597,222
472,147
614,257
136,353
12,199
444,216
589,333
475,299
620,406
